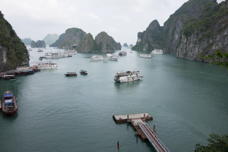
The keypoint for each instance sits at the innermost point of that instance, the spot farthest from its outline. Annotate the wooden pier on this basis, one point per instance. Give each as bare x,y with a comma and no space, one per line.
143,130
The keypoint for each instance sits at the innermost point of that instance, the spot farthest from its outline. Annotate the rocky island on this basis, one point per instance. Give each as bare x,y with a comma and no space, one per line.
13,52
75,38
198,31
38,44
70,39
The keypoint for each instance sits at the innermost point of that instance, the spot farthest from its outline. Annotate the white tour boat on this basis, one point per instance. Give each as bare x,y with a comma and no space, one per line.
128,76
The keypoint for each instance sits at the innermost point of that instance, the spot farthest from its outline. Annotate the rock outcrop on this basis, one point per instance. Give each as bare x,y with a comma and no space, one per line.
50,38
194,31
70,39
204,37
38,44
87,45
150,39
106,44
13,52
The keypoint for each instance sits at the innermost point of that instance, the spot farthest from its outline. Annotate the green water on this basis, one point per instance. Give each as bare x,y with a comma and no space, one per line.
188,101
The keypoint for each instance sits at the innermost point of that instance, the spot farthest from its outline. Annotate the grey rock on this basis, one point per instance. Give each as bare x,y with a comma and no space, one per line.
70,39
38,44
87,45
106,44
13,52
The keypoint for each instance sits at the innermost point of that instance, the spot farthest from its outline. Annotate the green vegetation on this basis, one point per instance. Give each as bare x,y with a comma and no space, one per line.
211,16
216,144
217,57
16,51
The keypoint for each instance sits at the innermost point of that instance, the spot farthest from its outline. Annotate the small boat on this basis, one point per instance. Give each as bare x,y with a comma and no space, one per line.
7,76
122,53
157,52
128,76
83,72
24,71
47,66
113,58
71,74
9,105
147,56
96,58
39,50
42,57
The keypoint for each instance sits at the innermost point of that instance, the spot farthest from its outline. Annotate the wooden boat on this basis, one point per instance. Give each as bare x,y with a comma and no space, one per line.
122,53
7,76
9,105
83,72
71,74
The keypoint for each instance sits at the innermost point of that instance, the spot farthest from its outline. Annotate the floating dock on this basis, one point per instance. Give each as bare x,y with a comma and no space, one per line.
143,130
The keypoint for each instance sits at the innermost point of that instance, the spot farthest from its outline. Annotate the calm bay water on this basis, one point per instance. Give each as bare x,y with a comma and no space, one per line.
188,101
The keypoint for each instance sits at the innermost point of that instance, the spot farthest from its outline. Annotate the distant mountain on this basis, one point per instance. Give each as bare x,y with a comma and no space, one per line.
27,41
13,52
71,38
125,45
38,44
196,31
106,43
50,38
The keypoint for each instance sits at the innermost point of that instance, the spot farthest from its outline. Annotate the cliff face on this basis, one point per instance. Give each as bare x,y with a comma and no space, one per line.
194,31
87,45
150,39
106,44
103,43
173,27
203,37
72,37
13,52
38,44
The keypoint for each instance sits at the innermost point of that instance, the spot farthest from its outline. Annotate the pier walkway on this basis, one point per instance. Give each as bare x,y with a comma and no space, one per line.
152,138
138,122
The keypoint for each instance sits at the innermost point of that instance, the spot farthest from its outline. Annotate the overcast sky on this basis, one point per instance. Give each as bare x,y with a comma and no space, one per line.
122,19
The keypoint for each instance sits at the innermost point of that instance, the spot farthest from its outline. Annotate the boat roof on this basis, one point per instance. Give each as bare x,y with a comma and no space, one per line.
8,95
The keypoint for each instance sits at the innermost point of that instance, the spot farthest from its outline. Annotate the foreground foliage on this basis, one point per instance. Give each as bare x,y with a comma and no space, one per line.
216,144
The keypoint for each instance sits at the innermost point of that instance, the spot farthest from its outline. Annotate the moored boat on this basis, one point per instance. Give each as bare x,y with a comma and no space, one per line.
71,74
128,76
113,58
157,52
9,105
7,76
122,53
96,58
83,72
39,50
47,66
147,56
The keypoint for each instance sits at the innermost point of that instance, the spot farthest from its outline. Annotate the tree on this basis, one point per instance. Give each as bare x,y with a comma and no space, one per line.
216,143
